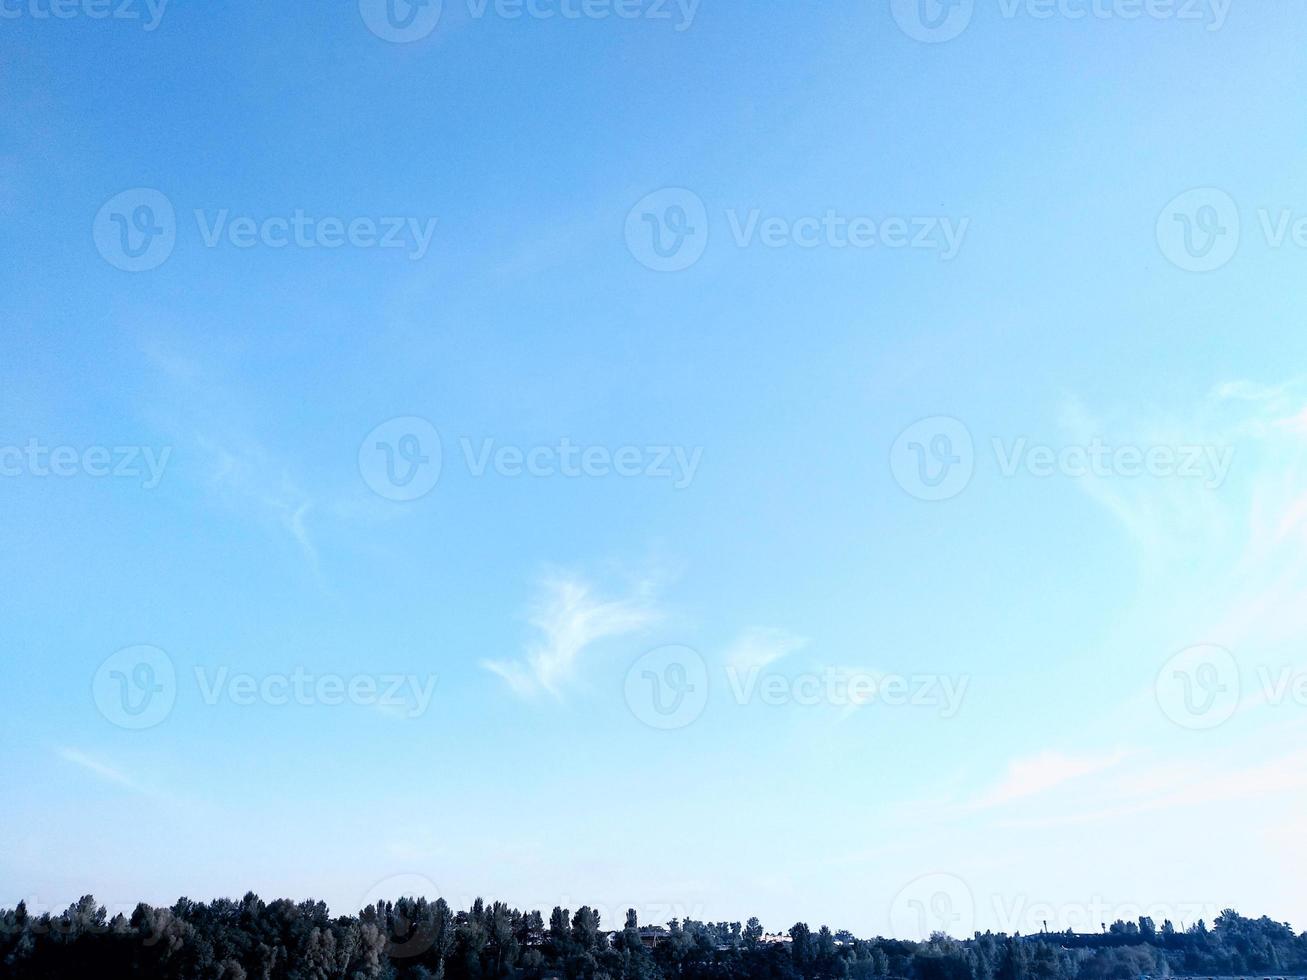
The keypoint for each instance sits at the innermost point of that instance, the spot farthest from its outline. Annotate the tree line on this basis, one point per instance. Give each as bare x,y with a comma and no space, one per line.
414,939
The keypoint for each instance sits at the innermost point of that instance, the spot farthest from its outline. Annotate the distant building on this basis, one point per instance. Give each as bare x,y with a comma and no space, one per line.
650,936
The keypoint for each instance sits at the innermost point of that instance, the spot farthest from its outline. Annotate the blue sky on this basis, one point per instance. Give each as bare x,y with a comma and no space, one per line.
747,519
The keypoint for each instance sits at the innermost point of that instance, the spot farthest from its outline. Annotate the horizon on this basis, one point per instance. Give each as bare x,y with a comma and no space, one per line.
414,938
826,462
1106,928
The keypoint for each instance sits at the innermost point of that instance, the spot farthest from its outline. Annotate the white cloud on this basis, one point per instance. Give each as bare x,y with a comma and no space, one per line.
569,618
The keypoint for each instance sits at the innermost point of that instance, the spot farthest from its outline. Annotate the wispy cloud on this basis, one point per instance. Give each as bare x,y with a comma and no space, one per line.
1039,773
102,771
760,647
1224,565
1169,783
238,469
569,617
250,476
